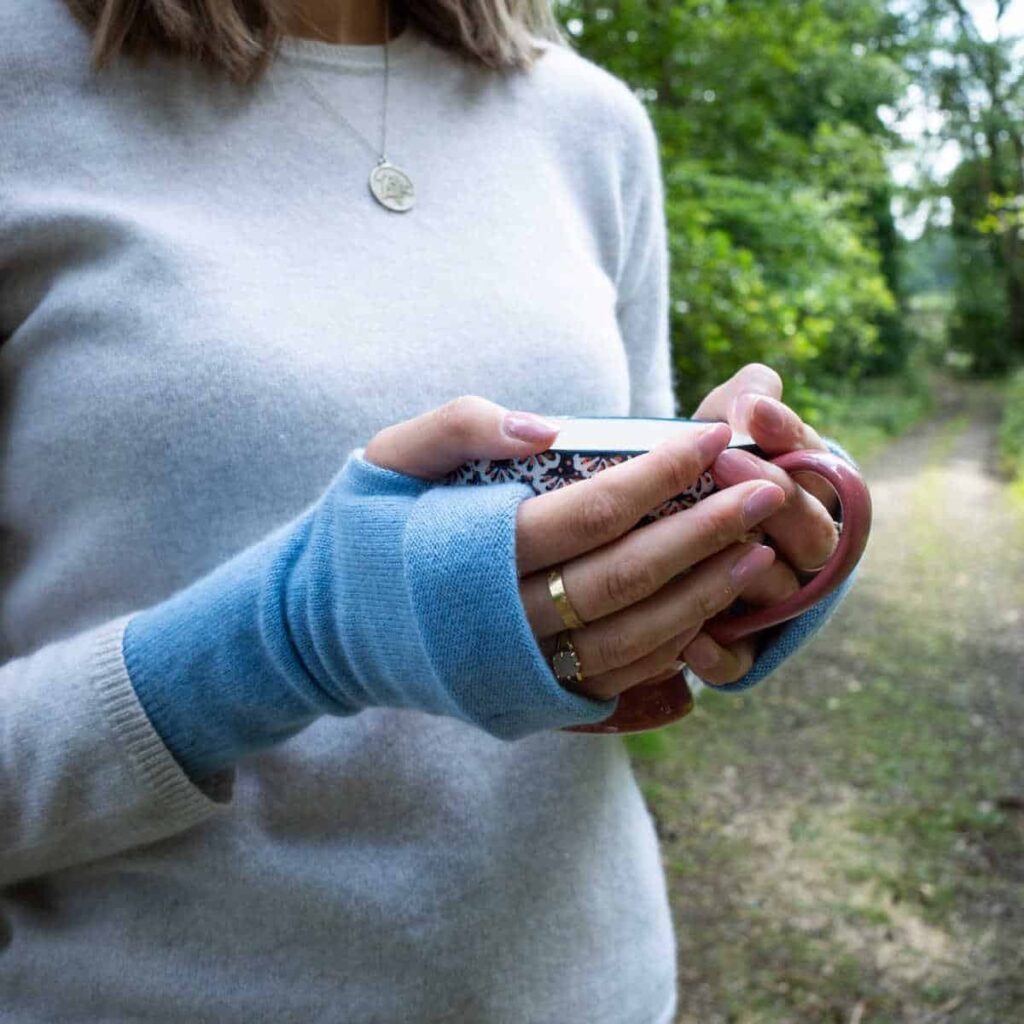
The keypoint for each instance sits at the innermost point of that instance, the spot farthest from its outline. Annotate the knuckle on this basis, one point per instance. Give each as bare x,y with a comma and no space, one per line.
627,581
763,370
676,472
720,526
457,417
617,648
601,514
682,640
709,601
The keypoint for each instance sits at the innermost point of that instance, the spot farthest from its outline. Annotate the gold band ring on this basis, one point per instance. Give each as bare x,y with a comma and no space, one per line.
566,612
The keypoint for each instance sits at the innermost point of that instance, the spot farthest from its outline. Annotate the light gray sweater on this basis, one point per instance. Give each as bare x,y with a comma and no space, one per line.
202,310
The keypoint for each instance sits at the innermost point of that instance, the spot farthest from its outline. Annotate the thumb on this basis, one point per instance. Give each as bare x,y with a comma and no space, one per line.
468,427
754,377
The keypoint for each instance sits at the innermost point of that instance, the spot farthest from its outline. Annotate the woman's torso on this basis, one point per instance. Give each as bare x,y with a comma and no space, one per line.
202,311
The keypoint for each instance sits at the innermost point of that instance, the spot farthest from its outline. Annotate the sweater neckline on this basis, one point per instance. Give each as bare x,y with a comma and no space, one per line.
354,56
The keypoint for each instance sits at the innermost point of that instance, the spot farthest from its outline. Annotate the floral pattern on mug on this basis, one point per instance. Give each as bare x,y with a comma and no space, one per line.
547,471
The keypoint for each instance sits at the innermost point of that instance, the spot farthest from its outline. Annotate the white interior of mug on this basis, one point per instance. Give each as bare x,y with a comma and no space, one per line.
626,433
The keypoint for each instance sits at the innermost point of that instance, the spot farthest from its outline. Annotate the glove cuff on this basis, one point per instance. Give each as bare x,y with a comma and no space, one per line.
460,558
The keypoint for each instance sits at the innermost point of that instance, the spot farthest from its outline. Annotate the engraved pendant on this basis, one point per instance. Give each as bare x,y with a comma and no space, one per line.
391,187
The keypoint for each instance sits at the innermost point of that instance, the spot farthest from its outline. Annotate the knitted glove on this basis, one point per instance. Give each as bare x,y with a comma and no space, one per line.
389,591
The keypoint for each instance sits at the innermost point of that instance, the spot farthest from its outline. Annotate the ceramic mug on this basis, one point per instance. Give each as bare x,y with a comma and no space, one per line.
587,444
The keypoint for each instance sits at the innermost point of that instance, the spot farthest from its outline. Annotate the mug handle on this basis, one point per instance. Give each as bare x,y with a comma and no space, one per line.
855,502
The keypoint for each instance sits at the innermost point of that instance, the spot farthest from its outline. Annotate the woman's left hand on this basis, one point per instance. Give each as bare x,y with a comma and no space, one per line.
803,529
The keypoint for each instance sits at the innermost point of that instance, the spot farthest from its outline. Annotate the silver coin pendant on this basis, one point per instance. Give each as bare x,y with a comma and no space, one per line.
391,187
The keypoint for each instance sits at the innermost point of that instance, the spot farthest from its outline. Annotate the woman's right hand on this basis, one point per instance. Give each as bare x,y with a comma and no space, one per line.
621,581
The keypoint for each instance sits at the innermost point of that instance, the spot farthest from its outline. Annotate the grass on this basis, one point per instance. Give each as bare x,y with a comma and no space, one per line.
881,851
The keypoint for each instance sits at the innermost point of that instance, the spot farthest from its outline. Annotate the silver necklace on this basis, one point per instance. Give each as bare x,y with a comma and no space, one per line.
389,185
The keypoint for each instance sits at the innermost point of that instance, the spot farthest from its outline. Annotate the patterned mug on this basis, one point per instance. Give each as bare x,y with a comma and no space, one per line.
587,444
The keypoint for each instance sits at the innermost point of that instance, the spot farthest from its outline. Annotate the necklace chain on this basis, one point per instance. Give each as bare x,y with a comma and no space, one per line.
391,187
382,153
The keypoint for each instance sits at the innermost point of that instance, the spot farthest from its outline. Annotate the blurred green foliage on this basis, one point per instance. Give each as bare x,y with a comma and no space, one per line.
983,318
1011,430
929,263
779,198
974,77
866,415
783,246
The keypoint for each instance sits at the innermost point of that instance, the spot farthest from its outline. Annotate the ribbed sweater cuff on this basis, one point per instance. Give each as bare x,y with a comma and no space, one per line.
185,801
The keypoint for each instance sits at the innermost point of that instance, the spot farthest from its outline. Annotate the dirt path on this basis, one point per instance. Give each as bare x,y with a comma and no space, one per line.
847,844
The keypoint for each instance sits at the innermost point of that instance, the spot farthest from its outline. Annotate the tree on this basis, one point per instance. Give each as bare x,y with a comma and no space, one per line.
777,192
979,84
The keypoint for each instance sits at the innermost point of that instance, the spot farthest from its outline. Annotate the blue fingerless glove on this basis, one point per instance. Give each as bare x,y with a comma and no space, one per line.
389,591
790,636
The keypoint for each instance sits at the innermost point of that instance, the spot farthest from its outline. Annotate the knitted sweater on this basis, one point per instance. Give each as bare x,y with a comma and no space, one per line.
202,312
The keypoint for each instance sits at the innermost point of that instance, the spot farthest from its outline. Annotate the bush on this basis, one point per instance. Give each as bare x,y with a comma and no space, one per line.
865,417
768,274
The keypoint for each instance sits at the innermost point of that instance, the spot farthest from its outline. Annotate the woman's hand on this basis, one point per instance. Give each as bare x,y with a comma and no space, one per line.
644,593
803,529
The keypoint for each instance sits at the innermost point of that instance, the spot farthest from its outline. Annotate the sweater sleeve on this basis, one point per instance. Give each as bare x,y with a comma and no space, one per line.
642,304
389,591
83,772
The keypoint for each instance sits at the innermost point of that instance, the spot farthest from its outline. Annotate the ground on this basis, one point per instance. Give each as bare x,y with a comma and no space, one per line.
845,843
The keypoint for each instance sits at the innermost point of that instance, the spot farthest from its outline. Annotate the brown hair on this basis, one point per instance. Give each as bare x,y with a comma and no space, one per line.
240,37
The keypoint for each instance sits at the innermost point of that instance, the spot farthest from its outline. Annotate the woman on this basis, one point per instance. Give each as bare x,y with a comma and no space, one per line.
280,735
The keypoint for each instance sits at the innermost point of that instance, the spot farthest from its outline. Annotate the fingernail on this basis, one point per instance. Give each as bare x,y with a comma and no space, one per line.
736,463
703,654
525,426
752,563
713,441
768,498
769,413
